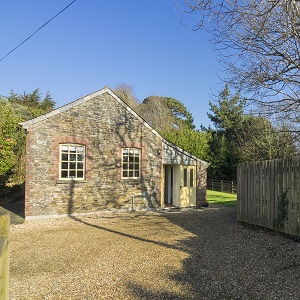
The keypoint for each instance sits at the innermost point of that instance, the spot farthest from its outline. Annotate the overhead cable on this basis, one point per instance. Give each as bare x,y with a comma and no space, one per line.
37,30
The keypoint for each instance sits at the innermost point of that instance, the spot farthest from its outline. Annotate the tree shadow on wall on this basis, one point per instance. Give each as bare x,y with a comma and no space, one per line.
108,136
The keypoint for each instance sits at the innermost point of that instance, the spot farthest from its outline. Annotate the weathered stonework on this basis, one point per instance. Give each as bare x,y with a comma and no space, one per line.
105,125
173,155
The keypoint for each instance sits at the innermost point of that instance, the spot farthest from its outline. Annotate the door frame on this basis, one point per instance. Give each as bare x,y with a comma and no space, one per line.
169,185
176,194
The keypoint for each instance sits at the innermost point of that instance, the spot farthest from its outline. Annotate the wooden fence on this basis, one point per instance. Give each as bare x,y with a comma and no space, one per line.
4,255
268,194
228,186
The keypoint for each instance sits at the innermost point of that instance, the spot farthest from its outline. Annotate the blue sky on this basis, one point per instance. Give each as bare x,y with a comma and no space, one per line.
95,43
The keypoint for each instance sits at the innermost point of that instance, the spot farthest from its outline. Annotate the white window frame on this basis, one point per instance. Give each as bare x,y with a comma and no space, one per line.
71,161
131,163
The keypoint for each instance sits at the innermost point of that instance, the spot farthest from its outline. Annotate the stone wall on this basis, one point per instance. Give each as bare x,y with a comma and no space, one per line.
104,126
173,155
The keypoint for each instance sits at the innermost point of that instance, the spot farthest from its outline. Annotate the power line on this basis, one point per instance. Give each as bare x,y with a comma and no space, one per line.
37,30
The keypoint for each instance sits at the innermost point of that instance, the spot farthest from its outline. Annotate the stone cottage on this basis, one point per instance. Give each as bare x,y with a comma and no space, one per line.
97,154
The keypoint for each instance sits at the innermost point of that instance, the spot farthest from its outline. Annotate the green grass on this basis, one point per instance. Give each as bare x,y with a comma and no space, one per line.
219,198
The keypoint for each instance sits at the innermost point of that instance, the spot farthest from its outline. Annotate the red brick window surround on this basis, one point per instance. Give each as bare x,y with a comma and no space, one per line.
131,163
71,161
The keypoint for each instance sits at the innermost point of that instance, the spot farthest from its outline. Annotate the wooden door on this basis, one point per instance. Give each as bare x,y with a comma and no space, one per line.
187,186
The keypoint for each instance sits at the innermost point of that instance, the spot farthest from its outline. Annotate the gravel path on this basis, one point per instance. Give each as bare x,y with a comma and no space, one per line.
197,254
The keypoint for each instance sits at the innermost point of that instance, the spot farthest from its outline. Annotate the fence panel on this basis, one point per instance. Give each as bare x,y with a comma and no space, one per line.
228,186
4,255
290,184
269,194
294,201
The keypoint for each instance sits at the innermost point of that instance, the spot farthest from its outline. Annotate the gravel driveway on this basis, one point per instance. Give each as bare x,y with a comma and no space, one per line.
196,254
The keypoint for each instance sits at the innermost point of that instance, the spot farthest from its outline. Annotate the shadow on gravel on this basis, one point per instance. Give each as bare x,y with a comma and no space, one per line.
12,201
228,260
71,210
166,245
16,211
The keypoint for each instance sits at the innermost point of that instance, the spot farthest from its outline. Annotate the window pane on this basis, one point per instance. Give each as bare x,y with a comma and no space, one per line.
80,149
131,162
72,165
64,157
64,174
72,174
72,161
64,165
79,174
72,148
184,177
191,178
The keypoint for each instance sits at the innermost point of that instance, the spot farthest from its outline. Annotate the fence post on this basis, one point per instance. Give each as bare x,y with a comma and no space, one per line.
4,256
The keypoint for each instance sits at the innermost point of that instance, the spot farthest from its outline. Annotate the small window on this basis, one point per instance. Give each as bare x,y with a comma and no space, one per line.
185,173
191,177
72,161
131,158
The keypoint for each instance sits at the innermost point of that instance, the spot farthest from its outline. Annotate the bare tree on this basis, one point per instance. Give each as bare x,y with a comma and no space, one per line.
259,139
154,110
258,43
127,94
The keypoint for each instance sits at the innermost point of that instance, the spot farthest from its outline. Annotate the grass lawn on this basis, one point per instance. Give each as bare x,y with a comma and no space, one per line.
219,198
